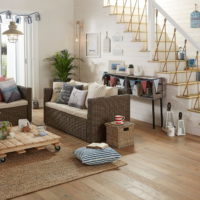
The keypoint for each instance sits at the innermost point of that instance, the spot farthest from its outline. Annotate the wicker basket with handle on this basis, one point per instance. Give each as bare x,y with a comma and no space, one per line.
120,135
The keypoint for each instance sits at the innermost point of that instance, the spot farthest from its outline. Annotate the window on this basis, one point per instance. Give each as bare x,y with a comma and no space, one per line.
12,54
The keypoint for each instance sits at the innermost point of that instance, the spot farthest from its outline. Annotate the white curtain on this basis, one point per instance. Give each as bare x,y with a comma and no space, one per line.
31,58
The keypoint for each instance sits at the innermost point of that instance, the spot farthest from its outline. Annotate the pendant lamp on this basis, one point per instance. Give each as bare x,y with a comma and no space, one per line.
12,33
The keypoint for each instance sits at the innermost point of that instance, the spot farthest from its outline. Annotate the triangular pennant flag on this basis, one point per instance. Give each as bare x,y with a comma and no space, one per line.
144,85
132,83
156,84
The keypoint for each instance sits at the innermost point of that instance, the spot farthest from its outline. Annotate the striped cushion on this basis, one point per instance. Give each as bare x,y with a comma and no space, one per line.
90,156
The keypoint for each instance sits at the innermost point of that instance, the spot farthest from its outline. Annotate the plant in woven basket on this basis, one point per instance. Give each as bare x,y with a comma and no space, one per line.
63,65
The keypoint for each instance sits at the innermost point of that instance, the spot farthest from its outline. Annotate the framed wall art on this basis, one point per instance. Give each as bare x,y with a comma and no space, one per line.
93,44
114,65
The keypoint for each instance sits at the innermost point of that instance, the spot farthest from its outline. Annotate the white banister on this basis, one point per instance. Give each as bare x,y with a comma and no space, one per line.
172,22
151,28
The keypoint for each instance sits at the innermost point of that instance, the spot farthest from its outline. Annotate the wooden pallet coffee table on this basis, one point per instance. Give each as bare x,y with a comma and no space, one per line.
23,141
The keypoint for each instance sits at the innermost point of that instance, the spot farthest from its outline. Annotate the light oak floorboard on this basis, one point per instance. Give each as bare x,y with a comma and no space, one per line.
159,168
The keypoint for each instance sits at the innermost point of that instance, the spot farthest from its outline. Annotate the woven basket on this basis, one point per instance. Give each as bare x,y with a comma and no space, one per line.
120,136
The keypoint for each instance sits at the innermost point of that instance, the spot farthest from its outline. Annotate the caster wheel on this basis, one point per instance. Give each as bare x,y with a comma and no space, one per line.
57,148
2,160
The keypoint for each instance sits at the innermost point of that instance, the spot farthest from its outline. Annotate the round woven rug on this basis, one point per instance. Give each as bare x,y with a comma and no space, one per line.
37,170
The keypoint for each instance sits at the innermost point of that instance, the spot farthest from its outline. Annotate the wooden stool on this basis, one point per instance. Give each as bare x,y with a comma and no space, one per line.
120,135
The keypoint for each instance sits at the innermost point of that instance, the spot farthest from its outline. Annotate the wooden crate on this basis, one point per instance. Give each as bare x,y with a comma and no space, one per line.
120,136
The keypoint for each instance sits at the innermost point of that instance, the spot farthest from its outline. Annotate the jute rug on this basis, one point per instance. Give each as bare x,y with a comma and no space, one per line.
36,170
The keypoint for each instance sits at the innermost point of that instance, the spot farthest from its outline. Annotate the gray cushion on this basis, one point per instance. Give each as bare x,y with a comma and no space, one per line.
10,91
90,156
77,98
66,92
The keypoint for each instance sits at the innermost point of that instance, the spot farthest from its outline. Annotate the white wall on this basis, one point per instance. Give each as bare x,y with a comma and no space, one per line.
56,29
96,19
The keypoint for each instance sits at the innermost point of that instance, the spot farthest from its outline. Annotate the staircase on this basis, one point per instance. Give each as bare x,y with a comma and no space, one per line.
150,25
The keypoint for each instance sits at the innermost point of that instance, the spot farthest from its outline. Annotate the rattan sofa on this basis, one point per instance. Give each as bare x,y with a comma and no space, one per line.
21,109
92,128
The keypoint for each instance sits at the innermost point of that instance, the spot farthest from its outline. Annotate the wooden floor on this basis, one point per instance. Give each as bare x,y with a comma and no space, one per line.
159,168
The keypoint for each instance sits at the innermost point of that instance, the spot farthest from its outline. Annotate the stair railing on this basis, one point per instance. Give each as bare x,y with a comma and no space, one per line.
153,9
130,24
144,10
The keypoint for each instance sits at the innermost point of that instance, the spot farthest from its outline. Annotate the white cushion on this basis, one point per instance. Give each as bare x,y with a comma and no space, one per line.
13,104
95,90
77,98
111,91
85,85
82,113
57,86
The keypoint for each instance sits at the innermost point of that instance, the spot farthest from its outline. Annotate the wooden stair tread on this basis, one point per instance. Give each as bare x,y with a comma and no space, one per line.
143,23
190,96
134,31
179,72
163,61
126,14
194,110
147,41
184,83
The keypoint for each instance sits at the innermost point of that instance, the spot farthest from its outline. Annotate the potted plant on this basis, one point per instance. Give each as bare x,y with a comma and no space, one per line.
63,64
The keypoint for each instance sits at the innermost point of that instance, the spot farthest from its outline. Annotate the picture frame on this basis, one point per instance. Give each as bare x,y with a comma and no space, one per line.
93,45
114,64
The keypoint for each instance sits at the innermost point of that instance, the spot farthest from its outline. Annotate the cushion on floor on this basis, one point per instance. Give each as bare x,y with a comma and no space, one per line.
90,156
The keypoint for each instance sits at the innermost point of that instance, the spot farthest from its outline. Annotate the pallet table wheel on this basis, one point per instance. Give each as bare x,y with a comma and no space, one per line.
2,160
57,147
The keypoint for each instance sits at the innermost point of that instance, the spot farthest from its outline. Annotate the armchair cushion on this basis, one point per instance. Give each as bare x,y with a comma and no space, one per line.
57,87
82,113
77,98
66,92
10,91
21,102
95,90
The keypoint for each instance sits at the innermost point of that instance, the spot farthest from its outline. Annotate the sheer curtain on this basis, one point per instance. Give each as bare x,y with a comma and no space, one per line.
31,70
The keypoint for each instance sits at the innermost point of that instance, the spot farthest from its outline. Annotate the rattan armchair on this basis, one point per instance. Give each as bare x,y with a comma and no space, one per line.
13,114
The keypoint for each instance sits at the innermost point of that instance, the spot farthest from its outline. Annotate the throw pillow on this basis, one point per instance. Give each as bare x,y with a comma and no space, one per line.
66,92
95,90
111,91
10,91
57,87
1,95
85,85
77,98
90,156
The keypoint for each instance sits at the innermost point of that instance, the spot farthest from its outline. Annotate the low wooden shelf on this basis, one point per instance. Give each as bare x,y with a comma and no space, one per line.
24,141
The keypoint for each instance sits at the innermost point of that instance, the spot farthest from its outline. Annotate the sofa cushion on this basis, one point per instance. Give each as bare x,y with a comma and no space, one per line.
1,95
90,156
77,98
95,90
85,85
66,92
21,102
10,91
111,91
82,113
57,87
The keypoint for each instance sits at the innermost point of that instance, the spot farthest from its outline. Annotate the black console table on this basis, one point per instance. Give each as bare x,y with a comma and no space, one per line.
134,85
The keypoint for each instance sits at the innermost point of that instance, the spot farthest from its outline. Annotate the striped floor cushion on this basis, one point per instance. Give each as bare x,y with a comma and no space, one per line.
90,156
